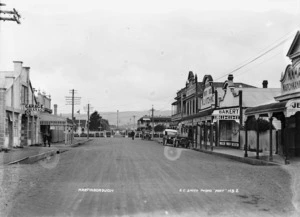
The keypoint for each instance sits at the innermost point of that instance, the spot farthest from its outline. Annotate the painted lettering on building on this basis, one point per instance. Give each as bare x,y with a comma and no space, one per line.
292,106
291,81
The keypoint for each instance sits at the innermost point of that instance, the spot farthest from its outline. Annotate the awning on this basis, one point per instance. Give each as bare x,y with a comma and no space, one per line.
52,120
289,108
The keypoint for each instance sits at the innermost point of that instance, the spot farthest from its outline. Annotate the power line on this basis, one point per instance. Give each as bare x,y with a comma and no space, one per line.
286,38
243,72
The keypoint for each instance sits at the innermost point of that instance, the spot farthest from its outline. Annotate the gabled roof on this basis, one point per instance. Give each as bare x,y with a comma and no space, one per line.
294,50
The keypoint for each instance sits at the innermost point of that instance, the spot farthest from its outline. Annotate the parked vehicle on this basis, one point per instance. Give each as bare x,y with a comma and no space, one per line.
184,142
170,137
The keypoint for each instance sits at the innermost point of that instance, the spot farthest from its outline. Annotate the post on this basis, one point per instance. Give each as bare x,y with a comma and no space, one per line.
117,119
246,139
88,122
201,135
241,114
205,136
211,135
271,139
72,131
285,144
152,122
257,139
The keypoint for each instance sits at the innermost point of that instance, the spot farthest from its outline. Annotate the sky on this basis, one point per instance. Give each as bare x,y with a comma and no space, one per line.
128,55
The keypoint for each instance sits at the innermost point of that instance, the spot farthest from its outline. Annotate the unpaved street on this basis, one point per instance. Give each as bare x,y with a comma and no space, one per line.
124,177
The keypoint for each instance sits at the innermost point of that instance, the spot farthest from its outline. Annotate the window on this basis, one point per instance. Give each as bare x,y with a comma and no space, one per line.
24,95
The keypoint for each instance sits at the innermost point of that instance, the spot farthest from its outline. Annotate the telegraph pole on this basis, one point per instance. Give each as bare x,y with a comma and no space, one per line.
117,119
134,122
88,122
71,100
14,15
152,122
88,108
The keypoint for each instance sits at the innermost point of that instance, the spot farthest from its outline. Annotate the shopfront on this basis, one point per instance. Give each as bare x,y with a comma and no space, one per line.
228,120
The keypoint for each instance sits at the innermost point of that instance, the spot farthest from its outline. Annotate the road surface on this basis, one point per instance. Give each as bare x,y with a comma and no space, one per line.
124,177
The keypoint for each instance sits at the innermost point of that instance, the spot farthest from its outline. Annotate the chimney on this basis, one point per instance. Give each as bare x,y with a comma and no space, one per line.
27,69
230,81
265,84
55,109
17,67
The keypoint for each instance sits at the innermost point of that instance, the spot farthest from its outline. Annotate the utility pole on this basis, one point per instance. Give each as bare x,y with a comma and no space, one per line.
71,100
88,108
14,15
117,119
88,122
134,122
152,122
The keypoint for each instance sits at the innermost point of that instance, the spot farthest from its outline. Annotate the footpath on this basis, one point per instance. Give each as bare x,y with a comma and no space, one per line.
30,154
238,155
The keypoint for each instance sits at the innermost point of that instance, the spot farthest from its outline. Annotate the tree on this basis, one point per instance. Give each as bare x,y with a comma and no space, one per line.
159,128
98,123
95,121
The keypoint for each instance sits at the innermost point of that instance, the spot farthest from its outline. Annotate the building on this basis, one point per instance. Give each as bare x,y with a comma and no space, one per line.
229,115
57,126
145,122
192,112
286,109
19,109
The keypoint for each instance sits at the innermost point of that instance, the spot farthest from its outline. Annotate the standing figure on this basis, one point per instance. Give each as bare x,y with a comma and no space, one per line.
45,136
49,138
132,135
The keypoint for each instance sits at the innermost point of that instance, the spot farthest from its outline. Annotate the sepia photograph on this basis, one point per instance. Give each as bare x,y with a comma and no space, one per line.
118,108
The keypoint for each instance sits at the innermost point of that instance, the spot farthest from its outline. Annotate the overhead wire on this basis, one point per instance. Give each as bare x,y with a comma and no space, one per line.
269,48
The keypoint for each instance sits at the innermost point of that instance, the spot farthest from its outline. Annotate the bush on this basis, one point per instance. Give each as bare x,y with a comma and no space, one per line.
263,125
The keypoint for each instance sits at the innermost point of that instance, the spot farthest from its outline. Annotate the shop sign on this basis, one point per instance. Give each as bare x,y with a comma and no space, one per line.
208,98
292,106
227,114
291,80
31,107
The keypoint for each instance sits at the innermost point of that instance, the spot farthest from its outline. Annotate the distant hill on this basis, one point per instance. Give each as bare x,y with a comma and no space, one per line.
126,118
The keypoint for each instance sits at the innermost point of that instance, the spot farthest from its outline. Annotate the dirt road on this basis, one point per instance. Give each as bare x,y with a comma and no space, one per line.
124,177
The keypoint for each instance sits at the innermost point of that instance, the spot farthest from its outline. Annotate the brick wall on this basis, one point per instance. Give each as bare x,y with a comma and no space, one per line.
2,116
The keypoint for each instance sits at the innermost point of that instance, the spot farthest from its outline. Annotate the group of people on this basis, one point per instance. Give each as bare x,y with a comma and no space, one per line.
47,137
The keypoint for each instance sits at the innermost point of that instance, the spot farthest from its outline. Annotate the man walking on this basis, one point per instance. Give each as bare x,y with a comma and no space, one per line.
132,135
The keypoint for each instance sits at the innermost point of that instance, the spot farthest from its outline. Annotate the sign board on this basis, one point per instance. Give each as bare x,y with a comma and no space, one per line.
208,98
227,114
291,80
31,107
292,106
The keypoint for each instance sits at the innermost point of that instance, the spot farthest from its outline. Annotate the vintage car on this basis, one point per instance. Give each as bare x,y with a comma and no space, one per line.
170,136
184,142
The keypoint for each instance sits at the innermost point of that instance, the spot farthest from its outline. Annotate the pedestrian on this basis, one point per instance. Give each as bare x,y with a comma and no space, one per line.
132,135
45,136
49,138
